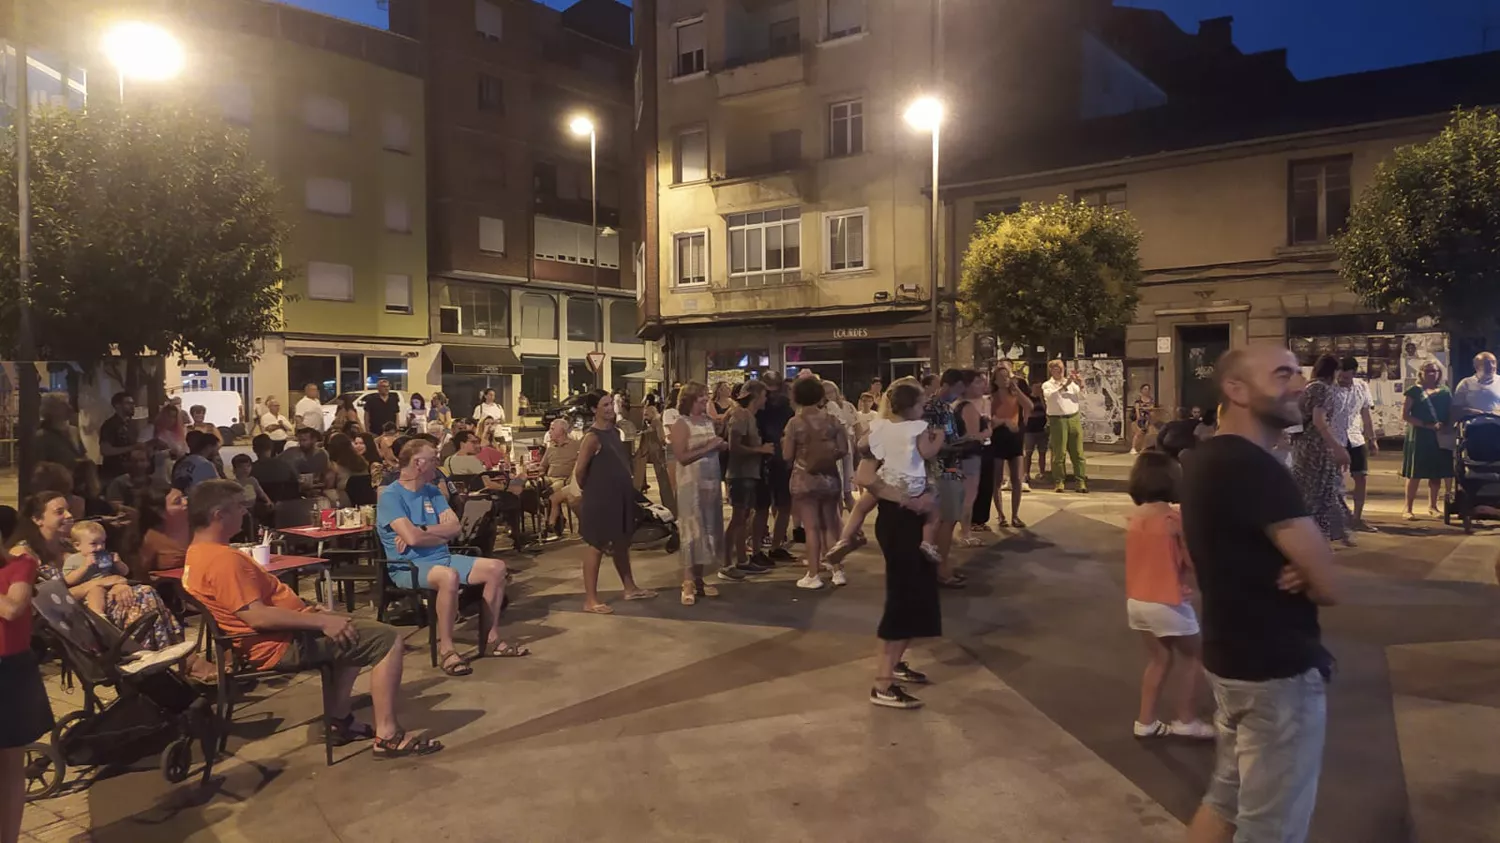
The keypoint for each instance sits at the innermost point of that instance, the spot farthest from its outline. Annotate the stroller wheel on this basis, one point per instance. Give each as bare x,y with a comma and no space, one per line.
673,543
176,760
45,769
61,731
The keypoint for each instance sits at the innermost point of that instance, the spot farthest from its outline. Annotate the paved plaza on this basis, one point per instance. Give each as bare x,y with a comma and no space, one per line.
745,718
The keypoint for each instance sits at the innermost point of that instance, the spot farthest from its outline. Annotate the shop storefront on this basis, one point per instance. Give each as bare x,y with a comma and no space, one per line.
468,370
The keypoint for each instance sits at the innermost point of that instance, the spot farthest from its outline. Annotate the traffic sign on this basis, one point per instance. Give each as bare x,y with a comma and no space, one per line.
595,361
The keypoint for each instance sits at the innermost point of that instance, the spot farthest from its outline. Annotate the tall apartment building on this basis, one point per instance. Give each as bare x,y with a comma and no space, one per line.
299,87
511,251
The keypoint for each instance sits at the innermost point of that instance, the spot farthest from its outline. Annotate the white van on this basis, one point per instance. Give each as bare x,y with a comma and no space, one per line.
222,407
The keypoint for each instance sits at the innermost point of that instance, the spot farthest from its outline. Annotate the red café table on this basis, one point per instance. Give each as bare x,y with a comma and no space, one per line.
278,565
324,536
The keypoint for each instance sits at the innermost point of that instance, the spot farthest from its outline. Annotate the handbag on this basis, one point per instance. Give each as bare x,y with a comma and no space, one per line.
1446,439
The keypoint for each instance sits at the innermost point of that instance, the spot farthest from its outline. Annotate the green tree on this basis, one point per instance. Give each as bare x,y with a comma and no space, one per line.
154,231
1049,270
1424,238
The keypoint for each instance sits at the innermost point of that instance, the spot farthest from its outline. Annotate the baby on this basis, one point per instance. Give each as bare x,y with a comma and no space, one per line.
92,566
904,445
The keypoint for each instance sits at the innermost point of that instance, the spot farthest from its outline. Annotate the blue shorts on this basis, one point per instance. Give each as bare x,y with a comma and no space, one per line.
402,570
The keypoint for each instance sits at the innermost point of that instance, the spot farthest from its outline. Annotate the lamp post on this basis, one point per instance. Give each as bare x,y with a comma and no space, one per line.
581,125
142,51
926,115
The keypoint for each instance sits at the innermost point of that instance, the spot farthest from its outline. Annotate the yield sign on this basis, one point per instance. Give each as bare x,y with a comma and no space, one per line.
595,361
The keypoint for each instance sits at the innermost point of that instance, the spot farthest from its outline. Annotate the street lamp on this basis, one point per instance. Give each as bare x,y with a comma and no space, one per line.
142,51
581,125
926,115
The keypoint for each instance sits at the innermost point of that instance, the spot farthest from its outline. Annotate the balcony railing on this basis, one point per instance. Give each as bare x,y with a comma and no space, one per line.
762,74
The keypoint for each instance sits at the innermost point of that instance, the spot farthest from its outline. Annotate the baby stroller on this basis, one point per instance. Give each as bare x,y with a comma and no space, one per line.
153,704
656,527
1476,471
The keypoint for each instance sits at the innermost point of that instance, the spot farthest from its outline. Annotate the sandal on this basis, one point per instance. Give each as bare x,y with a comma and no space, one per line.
1018,523
640,594
507,650
1003,523
689,594
599,609
396,746
970,541
707,590
460,667
344,731
984,528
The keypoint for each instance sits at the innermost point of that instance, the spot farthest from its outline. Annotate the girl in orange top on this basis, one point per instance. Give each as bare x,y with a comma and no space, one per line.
1158,581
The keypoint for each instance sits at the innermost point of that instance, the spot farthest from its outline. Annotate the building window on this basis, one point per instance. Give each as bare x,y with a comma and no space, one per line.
691,260
691,157
765,247
786,148
326,114
236,102
1318,200
560,240
398,294
1103,197
848,247
487,20
395,133
583,319
995,208
330,281
692,44
492,235
330,196
491,94
392,369
846,128
786,35
397,215
845,18
304,369
539,381
624,321
538,317
474,311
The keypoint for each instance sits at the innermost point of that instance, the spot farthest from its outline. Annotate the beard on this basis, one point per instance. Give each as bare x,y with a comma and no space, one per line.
1276,413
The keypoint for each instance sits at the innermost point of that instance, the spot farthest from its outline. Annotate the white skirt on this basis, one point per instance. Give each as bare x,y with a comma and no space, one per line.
1162,620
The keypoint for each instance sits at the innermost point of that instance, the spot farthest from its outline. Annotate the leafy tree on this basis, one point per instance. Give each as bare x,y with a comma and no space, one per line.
1048,270
154,231
1424,238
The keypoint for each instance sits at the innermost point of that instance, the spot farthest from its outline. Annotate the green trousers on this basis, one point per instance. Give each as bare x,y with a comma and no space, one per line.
1066,434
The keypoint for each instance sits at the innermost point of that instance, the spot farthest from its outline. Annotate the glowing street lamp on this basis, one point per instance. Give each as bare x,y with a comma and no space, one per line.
143,51
926,115
582,126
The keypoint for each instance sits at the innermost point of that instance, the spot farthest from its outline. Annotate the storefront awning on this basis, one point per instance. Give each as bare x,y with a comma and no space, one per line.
480,360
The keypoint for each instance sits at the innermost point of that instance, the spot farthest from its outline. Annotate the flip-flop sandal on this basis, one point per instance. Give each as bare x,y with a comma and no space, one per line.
708,591
1018,523
344,731
453,664
601,609
508,650
643,594
396,746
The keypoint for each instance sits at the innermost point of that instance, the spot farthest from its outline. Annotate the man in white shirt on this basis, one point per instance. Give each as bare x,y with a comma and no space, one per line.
1356,428
488,409
309,409
275,425
1062,395
1480,392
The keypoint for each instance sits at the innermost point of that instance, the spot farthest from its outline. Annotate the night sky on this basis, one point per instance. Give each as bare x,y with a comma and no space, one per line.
1322,37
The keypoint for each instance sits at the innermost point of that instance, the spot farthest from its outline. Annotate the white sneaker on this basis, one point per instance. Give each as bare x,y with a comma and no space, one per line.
1133,452
1196,729
1005,487
838,576
810,582
1025,486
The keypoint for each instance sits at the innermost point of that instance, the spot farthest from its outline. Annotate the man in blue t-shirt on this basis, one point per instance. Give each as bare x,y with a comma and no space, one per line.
415,523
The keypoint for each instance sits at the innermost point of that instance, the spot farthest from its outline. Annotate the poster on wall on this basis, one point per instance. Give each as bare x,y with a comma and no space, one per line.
1102,410
733,377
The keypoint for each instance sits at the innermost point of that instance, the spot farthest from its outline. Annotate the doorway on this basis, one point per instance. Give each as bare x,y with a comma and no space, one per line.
1198,348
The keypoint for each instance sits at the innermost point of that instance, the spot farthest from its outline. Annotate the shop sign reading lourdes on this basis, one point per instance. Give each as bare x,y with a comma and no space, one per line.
851,333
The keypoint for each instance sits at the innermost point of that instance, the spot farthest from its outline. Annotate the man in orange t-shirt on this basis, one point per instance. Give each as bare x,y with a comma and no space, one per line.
287,634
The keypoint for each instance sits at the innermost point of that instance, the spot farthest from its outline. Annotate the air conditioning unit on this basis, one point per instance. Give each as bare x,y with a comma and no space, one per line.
450,320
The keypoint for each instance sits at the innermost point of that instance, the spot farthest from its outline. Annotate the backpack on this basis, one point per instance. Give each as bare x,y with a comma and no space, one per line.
820,454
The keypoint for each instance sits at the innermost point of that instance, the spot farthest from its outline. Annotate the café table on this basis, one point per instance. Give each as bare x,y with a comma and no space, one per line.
325,536
279,566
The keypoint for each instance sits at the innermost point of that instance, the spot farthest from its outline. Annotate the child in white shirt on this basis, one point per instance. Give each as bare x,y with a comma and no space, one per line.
904,444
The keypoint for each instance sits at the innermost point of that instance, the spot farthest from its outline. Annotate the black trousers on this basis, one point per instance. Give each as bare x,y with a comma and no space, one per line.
986,492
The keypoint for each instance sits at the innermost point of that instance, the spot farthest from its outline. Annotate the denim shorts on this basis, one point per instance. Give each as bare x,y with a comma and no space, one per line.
1270,753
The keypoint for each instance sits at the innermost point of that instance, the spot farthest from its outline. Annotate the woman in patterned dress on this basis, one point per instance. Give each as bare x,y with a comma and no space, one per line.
1318,459
700,493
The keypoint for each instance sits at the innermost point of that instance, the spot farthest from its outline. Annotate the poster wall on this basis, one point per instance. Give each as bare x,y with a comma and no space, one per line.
1390,363
1102,406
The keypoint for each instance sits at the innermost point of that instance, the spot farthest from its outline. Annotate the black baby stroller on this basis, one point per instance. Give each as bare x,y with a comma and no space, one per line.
1476,471
655,527
154,709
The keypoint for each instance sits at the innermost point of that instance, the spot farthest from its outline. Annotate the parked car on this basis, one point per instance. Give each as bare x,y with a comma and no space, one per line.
330,410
